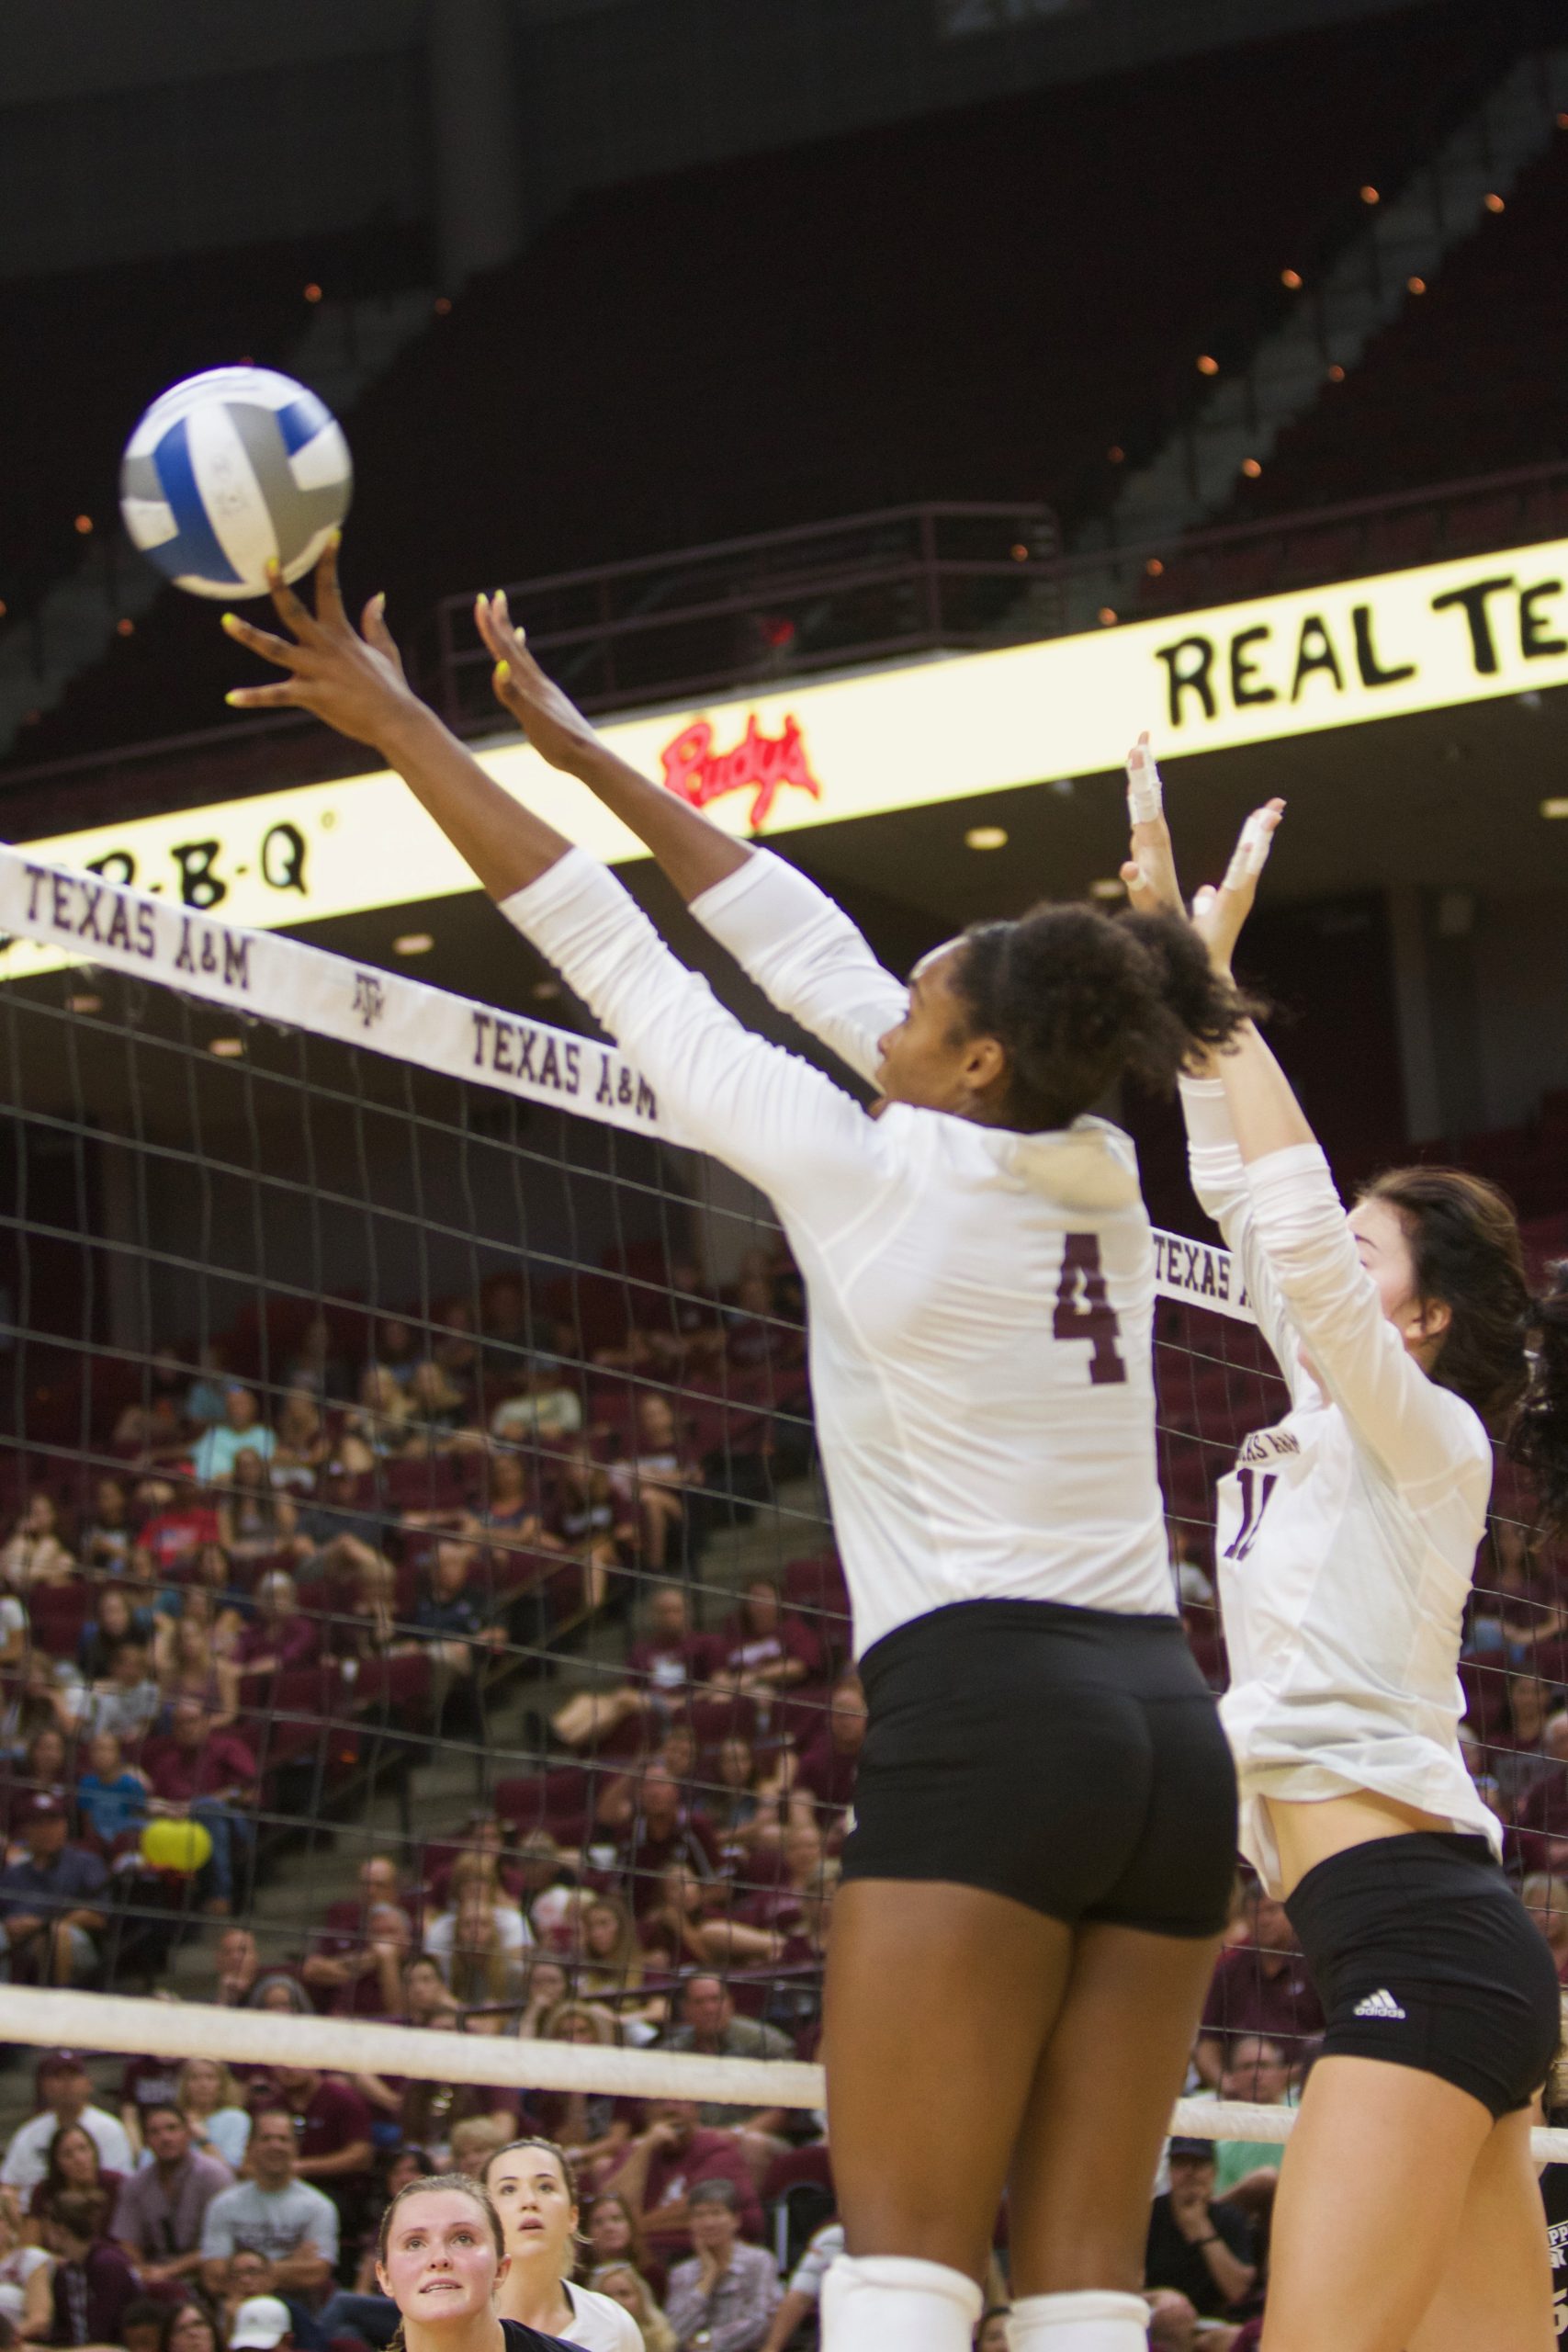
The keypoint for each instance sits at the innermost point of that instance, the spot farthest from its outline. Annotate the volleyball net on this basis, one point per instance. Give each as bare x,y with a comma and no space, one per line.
414,1545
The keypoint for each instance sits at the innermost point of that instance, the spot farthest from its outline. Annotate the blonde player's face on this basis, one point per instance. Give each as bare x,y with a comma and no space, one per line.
441,2261
930,1060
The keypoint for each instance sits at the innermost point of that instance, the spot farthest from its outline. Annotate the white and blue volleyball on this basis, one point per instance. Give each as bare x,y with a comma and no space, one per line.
232,470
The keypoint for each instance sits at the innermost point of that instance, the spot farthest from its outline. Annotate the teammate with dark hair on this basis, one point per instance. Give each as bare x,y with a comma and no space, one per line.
1044,1844
1407,2218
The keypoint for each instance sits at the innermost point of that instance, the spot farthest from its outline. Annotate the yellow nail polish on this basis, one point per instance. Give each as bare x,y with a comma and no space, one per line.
335,541
234,699
231,620
503,671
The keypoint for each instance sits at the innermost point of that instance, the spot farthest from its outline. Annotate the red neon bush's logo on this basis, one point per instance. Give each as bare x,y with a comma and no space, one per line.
759,763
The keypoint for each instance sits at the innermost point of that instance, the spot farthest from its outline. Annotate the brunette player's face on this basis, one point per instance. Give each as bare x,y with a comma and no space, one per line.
1383,1247
930,1060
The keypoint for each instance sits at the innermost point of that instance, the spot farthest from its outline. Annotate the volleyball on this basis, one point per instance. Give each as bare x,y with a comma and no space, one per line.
185,1846
229,471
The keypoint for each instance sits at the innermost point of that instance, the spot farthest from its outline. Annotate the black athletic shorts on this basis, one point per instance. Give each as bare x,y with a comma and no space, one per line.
1071,1759
1423,1954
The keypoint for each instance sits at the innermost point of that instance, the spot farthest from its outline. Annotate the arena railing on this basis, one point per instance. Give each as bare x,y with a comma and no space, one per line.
759,612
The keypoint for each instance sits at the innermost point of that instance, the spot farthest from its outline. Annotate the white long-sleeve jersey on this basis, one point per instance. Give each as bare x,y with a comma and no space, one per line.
1346,1534
981,1302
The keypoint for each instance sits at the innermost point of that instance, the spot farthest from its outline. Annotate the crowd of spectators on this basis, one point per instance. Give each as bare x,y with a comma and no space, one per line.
221,1613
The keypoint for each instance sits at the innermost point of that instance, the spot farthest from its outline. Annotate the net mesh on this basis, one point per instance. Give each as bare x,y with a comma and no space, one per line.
407,1460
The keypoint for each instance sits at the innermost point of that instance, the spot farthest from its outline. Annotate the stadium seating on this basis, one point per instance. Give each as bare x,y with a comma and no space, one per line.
649,374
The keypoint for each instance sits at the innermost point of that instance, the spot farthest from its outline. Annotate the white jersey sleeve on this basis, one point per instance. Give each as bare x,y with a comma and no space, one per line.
1219,1180
807,956
599,2324
761,1110
1403,1418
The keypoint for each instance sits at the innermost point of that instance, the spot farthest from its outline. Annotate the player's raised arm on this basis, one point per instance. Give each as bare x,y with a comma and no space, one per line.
695,853
801,949
353,679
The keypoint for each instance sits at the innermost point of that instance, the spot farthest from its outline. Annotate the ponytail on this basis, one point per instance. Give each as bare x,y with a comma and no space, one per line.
1539,1439
1505,1351
1077,999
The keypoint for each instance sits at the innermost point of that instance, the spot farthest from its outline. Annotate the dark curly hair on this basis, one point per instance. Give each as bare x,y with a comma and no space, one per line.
1505,1351
1077,999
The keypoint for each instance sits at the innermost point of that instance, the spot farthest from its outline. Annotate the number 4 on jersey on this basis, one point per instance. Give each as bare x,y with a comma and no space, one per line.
1083,1311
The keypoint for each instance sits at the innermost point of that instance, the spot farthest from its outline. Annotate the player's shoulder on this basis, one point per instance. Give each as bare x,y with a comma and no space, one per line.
601,2324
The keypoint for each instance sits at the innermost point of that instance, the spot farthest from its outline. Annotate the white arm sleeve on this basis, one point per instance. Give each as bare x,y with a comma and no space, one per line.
806,957
761,1111
1414,1427
1219,1180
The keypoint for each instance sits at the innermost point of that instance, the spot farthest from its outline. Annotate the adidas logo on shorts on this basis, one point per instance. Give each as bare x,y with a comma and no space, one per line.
1379,2005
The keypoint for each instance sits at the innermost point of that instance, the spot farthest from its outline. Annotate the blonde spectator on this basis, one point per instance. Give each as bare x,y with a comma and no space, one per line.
481,1969
592,2126
475,1886
36,1553
191,1669
208,2099
439,1412
626,2285
474,2141
611,1959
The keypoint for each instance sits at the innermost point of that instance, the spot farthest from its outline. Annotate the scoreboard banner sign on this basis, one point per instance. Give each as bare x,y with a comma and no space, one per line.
903,736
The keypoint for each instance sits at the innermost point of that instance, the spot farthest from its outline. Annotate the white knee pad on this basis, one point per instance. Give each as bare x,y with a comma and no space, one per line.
1097,2321
876,2303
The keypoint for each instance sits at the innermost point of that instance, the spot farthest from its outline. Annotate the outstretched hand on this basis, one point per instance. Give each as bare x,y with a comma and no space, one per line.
1219,915
1149,873
550,719
352,679
1150,876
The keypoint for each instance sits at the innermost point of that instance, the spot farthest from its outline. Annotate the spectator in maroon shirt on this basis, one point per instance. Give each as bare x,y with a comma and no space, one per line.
208,1776
1541,1820
663,1668
280,1638
665,2163
94,2278
764,1648
347,1950
663,1832
333,2150
1260,1987
824,1784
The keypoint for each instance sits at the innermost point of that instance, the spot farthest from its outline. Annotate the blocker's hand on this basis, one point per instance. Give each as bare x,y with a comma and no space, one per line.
1218,916
550,719
352,679
1150,871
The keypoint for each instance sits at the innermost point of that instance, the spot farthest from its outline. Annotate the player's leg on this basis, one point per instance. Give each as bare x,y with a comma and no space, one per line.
940,1998
1495,2293
1098,2112
1372,2191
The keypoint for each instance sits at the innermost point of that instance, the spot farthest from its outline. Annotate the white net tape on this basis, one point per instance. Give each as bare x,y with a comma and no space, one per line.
157,2029
81,919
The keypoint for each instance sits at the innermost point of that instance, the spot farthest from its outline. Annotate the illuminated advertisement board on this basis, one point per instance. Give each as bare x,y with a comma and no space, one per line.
902,737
